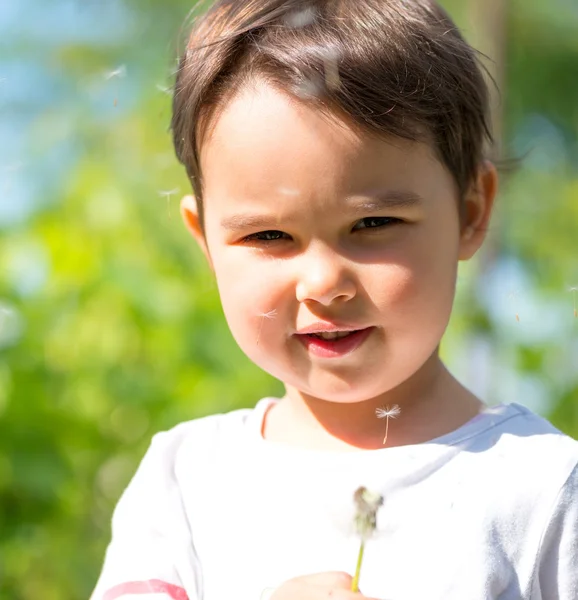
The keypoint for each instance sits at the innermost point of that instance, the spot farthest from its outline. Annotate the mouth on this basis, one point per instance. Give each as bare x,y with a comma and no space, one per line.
332,335
333,344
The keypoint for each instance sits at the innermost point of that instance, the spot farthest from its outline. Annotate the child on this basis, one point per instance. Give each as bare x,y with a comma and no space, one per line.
335,150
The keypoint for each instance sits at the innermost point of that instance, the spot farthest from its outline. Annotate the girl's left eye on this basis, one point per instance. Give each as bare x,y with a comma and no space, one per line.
375,222
271,235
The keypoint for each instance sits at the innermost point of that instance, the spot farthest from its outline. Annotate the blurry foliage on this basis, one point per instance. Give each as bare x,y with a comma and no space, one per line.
110,323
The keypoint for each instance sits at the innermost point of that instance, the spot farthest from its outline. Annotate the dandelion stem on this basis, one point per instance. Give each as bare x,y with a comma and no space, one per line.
355,582
367,504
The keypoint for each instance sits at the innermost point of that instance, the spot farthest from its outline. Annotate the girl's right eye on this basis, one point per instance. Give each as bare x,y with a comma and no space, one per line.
271,235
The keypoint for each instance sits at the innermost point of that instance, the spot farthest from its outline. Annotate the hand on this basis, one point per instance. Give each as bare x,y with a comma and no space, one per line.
319,586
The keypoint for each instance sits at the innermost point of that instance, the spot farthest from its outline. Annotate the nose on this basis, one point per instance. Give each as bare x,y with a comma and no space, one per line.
324,278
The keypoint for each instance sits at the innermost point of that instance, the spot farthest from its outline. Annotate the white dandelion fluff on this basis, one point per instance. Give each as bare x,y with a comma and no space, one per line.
266,315
119,72
168,194
164,89
574,289
367,504
387,414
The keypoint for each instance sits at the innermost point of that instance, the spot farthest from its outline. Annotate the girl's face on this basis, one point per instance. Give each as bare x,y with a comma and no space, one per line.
313,227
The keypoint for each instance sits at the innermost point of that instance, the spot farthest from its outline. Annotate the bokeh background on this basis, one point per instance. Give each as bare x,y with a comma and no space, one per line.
110,323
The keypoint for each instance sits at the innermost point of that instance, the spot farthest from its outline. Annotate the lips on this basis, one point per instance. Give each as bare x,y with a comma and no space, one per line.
340,343
331,335
329,327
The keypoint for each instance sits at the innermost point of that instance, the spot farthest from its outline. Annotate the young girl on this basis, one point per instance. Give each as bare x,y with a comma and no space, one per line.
335,150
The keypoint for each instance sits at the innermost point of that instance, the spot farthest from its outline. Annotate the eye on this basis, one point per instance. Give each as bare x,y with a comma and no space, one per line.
375,223
271,235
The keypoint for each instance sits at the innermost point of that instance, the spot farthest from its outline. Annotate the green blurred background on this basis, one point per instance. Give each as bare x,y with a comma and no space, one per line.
110,323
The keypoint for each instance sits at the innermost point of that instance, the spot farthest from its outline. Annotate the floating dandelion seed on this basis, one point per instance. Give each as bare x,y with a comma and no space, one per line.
117,73
367,504
574,289
167,194
513,295
14,166
10,170
268,315
164,89
387,414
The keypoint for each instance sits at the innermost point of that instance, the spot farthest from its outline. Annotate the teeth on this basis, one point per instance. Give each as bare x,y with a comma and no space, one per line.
332,335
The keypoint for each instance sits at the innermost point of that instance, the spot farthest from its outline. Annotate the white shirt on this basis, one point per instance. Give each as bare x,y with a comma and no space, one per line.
216,512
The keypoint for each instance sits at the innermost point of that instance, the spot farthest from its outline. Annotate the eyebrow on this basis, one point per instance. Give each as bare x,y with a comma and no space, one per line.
390,199
247,221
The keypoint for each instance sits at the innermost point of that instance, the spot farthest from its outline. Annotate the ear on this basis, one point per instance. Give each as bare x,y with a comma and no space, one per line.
477,210
190,215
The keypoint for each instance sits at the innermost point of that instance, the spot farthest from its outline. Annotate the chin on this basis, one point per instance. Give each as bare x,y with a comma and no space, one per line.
345,393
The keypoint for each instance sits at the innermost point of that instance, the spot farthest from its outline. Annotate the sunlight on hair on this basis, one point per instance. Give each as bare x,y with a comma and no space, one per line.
268,315
301,18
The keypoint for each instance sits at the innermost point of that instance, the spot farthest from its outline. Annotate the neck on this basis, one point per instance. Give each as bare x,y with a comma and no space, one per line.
432,403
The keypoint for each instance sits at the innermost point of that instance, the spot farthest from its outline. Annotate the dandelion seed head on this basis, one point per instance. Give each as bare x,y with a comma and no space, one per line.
168,193
367,504
388,413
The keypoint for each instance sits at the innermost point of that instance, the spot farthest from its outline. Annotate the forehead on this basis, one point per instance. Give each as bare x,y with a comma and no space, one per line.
264,140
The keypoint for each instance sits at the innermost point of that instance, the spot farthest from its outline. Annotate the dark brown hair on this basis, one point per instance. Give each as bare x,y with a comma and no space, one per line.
392,67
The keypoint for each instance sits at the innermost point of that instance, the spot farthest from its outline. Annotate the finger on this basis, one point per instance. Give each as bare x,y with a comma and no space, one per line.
340,594
330,579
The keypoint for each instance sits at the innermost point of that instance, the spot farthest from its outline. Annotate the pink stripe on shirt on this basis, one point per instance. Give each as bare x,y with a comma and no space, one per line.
152,586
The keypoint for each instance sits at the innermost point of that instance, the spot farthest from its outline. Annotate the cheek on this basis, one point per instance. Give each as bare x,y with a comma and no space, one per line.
252,293
418,286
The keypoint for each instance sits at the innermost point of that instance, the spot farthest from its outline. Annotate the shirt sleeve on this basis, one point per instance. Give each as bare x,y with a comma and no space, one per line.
558,570
151,554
